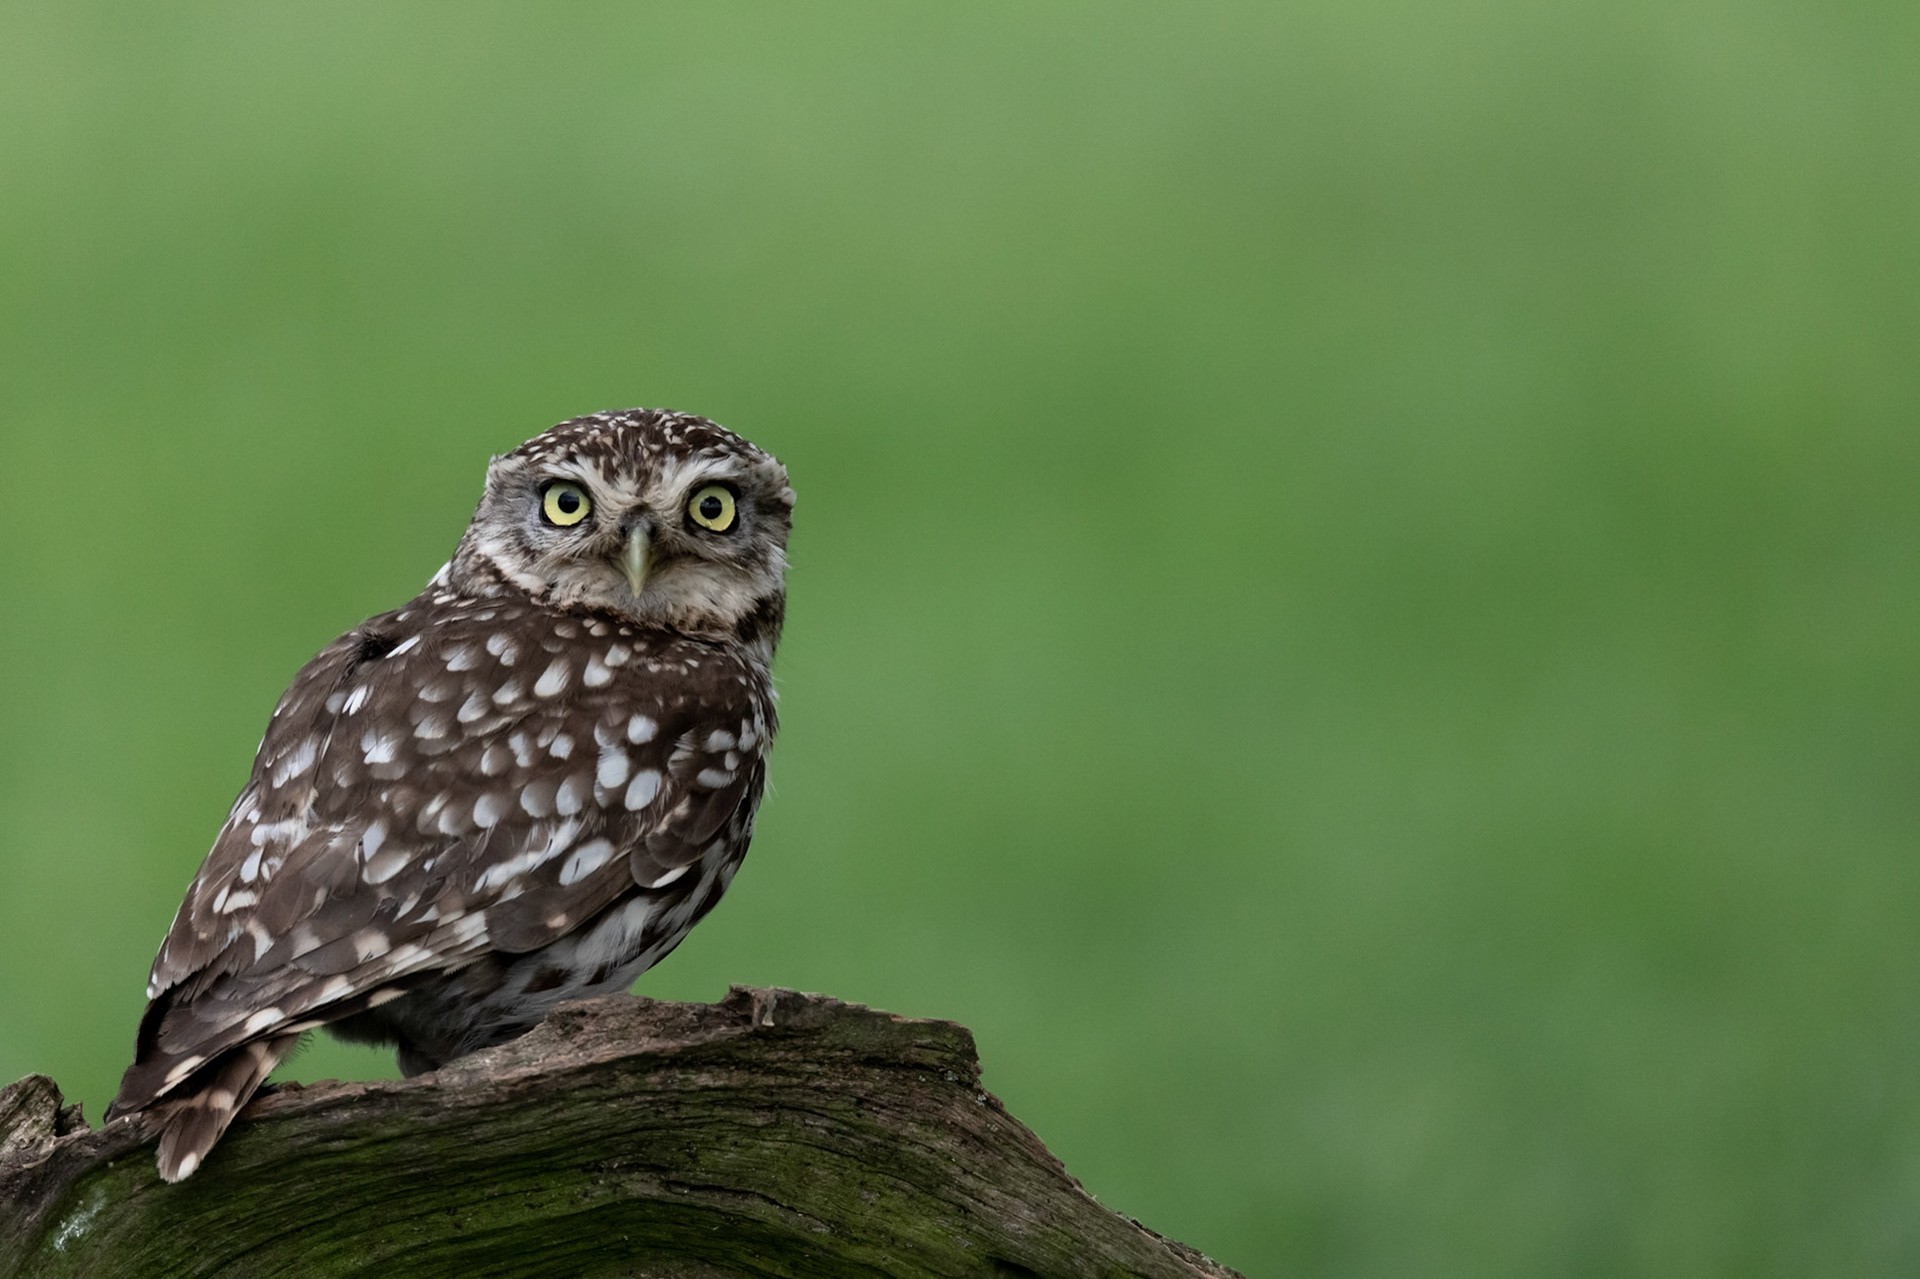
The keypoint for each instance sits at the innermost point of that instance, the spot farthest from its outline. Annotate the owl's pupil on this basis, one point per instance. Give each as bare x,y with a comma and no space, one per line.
710,507
568,501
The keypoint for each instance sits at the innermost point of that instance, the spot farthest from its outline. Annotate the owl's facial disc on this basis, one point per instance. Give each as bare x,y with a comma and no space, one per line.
636,557
664,519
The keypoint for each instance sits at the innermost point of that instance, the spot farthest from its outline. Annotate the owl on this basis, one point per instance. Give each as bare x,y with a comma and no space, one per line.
523,786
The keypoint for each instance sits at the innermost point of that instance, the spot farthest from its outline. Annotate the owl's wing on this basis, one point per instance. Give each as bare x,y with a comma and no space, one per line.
427,794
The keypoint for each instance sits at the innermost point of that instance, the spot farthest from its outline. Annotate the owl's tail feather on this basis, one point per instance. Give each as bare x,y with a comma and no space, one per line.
197,1120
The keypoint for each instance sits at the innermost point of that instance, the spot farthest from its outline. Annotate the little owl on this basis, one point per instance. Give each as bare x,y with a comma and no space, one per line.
524,786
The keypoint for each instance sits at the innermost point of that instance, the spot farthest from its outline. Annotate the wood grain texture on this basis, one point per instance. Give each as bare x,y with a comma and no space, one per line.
774,1134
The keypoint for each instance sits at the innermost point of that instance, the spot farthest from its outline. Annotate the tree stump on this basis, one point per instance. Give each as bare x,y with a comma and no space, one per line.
774,1133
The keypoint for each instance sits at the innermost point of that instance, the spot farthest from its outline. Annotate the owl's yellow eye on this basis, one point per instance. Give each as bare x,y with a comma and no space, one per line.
712,507
564,504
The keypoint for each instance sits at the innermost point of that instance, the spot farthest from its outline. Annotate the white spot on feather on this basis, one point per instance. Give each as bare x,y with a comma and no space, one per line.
277,832
431,728
453,818
261,1020
505,872
586,859
408,956
641,728
616,936
559,840
554,679
295,763
614,767
182,1068
386,865
669,877
641,790
537,799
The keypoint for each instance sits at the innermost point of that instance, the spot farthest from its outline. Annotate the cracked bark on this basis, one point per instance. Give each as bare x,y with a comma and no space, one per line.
773,1133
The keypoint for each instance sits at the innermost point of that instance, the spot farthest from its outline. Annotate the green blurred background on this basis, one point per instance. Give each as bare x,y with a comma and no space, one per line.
1354,593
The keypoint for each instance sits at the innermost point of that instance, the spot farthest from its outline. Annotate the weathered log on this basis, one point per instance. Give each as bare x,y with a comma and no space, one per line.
773,1133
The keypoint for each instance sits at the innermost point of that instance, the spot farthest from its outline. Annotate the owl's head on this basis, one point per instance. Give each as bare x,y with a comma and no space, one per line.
664,518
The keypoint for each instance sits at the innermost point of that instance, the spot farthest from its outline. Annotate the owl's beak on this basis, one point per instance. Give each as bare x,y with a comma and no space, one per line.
636,557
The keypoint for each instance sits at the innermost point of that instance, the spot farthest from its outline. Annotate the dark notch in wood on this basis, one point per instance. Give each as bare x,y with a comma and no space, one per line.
773,1134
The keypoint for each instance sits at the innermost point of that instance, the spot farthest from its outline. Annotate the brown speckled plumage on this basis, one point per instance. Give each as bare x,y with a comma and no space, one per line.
522,787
